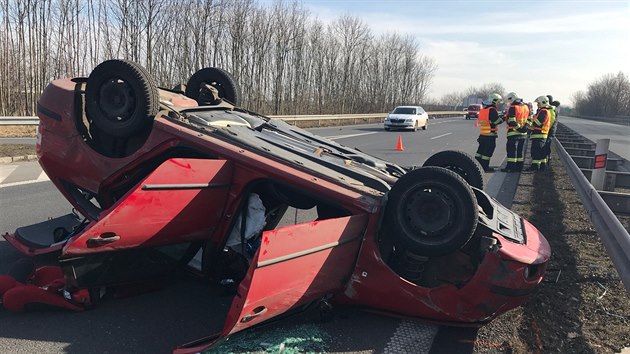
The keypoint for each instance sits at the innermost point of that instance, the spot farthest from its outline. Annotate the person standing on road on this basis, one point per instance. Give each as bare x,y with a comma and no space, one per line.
488,121
553,126
516,119
539,131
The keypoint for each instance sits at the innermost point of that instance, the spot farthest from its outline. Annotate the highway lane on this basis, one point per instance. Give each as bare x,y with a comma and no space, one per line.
24,141
619,135
131,325
441,134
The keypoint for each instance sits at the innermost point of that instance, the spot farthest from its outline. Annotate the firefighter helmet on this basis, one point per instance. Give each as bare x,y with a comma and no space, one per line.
495,98
512,96
542,100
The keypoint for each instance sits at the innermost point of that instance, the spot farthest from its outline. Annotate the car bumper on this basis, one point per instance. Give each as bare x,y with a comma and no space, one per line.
505,279
409,125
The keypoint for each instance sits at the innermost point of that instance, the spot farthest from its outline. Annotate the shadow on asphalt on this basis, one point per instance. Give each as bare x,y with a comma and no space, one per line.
154,322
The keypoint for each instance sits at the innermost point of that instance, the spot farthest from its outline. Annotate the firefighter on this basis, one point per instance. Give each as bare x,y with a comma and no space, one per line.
516,119
539,131
488,120
553,109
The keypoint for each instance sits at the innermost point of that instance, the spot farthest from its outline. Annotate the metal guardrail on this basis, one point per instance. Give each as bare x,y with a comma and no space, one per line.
370,117
19,121
612,233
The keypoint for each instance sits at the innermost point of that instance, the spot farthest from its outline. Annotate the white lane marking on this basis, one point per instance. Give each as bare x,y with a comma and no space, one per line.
348,136
42,177
439,136
22,183
5,171
411,337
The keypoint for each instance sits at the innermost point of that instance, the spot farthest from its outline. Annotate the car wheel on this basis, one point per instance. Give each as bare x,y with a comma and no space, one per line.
431,211
121,99
415,126
220,79
387,129
460,163
424,127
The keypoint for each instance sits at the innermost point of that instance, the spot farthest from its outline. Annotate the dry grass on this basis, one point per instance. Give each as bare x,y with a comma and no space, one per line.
17,131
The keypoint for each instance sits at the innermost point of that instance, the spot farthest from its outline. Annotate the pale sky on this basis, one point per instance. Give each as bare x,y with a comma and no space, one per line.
532,47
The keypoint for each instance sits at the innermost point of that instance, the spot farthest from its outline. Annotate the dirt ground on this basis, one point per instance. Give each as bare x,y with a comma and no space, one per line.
17,131
582,306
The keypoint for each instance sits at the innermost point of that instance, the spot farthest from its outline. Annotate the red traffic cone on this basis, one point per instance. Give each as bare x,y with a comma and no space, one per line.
399,146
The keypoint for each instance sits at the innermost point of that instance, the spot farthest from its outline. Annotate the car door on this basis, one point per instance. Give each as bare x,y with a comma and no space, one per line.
294,266
176,206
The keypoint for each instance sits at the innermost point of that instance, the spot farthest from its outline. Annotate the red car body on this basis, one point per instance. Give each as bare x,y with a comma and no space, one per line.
184,184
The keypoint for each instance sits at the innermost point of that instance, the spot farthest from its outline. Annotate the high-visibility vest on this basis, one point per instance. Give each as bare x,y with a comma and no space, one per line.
541,131
552,111
521,113
484,122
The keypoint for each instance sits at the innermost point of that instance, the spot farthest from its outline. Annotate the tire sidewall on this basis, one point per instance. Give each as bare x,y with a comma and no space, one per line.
144,90
459,162
225,84
458,234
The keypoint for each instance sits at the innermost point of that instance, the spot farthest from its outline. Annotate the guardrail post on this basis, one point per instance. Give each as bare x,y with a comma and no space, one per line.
599,164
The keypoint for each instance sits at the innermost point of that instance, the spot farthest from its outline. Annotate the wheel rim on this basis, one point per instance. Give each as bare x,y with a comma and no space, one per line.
117,100
429,211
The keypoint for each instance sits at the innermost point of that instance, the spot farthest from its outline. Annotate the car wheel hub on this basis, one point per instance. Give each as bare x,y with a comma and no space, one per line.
117,100
429,212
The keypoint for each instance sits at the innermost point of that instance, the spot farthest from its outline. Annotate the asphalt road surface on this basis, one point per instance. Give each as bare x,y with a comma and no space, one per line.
158,321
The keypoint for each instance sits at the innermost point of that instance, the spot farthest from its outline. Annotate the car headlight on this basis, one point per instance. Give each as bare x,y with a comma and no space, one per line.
408,120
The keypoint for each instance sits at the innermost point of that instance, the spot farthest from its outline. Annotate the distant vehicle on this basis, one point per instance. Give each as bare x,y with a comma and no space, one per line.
407,117
473,111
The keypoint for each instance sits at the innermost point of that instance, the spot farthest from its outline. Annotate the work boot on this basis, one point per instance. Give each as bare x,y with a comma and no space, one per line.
485,164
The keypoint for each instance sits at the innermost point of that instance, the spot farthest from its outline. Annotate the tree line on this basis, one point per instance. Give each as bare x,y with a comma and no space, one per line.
608,96
284,60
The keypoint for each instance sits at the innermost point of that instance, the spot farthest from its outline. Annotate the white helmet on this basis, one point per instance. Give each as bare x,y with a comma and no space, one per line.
512,96
542,100
495,98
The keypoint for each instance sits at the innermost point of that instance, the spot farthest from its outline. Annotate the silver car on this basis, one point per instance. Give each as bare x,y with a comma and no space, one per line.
407,117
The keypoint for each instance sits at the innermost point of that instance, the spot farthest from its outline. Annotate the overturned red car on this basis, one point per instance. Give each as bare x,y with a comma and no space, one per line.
166,178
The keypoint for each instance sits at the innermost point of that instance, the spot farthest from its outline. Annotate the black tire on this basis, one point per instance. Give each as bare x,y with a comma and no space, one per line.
431,211
424,127
459,162
121,99
219,78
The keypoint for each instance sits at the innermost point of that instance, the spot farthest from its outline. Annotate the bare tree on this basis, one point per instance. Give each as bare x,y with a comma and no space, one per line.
285,61
607,96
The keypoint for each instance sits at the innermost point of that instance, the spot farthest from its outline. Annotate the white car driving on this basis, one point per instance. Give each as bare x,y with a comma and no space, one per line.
407,117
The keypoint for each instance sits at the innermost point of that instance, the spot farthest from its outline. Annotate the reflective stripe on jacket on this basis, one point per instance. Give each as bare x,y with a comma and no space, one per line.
486,127
541,124
518,113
